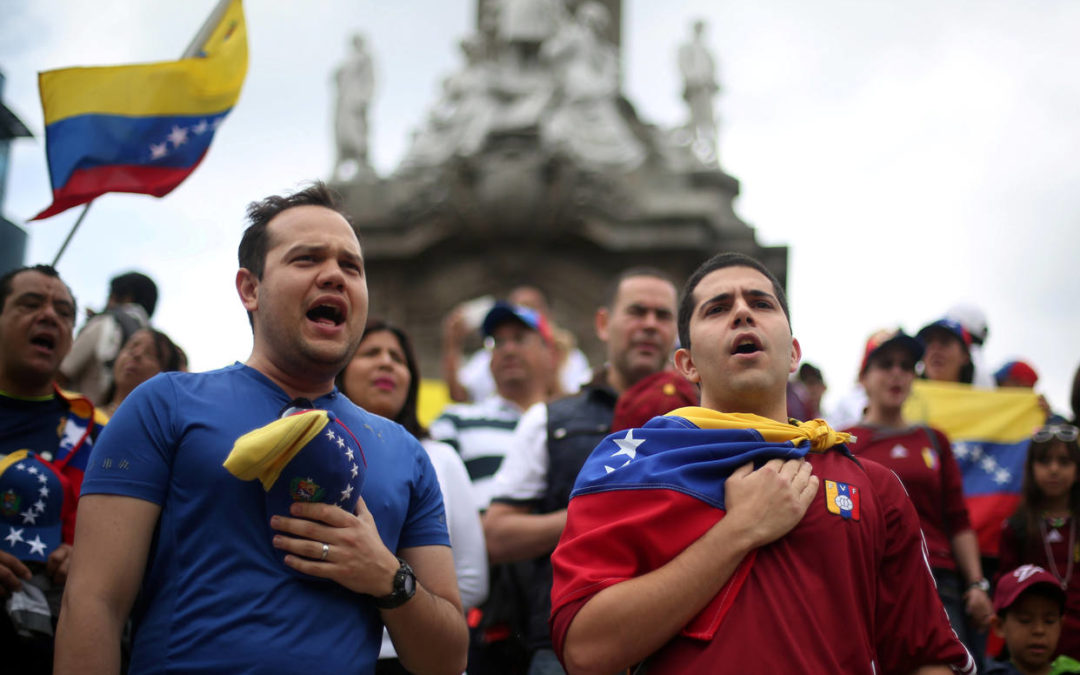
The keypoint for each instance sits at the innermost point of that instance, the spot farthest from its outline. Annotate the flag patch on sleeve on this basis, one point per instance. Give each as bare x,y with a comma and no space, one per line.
842,499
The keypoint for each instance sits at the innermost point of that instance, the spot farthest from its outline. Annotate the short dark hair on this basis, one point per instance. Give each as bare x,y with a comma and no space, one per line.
717,262
612,290
810,373
7,280
407,416
137,288
255,242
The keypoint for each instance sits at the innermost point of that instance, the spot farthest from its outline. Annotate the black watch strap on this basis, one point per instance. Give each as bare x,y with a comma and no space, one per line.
404,588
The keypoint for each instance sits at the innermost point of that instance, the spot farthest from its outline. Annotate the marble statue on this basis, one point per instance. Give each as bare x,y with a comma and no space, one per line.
355,80
699,88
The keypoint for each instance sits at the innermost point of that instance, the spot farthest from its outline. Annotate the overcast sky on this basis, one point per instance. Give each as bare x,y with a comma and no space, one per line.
912,154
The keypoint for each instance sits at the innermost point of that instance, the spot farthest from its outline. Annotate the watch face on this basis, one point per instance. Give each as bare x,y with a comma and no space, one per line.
409,585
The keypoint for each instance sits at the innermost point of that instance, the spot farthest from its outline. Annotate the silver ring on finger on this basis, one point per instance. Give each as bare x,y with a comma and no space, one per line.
325,552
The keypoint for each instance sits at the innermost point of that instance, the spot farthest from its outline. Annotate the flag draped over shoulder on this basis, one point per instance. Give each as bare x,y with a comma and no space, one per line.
646,494
989,431
139,128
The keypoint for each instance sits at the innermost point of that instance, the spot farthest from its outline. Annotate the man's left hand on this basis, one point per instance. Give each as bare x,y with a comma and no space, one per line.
356,557
979,607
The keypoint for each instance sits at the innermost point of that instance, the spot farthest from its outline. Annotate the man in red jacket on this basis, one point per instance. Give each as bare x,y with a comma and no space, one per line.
792,578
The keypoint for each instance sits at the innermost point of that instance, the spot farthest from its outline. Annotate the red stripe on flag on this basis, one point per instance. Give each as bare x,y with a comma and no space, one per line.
85,185
987,513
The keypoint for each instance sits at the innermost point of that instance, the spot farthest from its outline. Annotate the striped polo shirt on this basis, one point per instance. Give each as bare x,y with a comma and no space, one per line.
481,433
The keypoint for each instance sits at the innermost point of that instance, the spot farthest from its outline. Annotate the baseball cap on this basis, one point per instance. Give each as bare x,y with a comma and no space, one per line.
657,394
948,325
504,311
1019,372
305,456
972,318
31,501
1011,585
887,338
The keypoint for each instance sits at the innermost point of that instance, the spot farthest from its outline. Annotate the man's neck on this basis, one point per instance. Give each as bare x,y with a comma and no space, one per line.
20,388
772,409
307,386
524,398
887,418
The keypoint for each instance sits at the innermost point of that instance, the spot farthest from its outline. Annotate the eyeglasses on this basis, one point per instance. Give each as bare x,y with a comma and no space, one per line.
888,364
1066,433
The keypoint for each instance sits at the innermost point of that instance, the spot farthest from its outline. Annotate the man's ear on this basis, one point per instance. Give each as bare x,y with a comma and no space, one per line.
796,355
247,286
684,363
601,322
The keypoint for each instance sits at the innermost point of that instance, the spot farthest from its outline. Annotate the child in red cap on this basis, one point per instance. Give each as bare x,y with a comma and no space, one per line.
1029,602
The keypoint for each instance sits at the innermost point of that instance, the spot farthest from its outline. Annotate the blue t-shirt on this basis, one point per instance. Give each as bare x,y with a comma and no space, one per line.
216,597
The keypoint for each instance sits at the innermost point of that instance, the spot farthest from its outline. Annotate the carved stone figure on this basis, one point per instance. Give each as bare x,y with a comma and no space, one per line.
355,86
699,88
585,123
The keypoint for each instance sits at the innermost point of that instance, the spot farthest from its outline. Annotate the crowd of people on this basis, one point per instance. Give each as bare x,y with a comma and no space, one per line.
686,506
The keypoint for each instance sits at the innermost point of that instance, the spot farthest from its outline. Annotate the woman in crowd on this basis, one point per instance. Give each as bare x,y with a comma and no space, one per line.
948,352
1043,530
383,378
922,457
146,353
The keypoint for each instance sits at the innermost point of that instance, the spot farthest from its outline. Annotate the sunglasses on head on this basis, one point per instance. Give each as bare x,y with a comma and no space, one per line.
1066,433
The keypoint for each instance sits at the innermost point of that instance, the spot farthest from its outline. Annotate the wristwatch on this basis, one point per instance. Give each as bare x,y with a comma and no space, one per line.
982,584
404,588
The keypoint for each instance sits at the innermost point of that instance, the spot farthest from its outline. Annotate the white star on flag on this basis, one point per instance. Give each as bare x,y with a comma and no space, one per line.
33,470
44,491
159,150
349,454
627,446
20,467
330,435
14,536
178,136
341,441
37,547
41,478
200,128
355,470
29,516
1002,476
39,506
346,493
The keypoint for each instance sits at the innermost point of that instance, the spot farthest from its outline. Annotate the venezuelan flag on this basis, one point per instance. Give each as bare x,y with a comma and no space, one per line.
141,128
989,431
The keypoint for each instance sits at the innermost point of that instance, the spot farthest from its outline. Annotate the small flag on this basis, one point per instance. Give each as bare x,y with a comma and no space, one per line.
139,128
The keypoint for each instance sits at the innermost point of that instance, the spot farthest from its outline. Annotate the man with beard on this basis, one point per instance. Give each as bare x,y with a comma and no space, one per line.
163,521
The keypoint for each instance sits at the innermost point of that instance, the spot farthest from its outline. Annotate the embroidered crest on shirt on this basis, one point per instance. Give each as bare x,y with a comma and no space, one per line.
930,457
898,451
1054,536
842,499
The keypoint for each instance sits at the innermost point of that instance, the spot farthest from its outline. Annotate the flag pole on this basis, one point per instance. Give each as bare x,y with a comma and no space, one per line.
78,221
192,51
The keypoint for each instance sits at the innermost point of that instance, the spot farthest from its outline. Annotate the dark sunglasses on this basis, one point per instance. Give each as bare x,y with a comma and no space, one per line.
1066,433
888,364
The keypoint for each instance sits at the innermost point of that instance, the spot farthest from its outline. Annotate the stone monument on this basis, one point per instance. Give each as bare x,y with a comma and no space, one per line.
532,168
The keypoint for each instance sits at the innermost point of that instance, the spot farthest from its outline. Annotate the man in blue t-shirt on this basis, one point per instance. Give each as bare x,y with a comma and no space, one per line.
214,582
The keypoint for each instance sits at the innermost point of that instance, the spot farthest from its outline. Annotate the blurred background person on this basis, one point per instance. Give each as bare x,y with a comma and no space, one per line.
804,393
87,368
922,458
383,377
947,355
147,353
